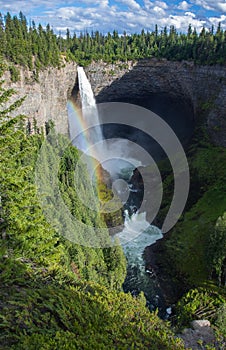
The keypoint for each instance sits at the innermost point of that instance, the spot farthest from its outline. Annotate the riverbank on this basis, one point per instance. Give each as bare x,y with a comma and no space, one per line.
171,287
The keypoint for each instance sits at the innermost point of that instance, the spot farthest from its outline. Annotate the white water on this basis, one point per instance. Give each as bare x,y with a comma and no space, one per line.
89,108
85,130
136,235
115,155
134,227
137,229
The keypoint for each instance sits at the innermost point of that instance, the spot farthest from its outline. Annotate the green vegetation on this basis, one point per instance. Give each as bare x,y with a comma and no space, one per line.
192,238
56,294
30,47
200,303
41,314
194,252
15,74
38,47
26,231
208,47
217,249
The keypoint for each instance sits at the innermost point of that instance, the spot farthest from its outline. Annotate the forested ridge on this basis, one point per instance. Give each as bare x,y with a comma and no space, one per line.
36,47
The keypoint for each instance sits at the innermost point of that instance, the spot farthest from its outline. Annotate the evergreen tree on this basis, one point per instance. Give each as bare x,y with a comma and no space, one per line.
41,46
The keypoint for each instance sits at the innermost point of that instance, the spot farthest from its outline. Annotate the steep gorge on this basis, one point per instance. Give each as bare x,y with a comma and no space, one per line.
198,91
188,90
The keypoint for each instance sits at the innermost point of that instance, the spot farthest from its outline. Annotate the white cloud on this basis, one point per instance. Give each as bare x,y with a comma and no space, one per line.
104,3
184,5
103,16
148,4
159,11
182,22
215,21
222,6
218,5
161,4
190,14
132,4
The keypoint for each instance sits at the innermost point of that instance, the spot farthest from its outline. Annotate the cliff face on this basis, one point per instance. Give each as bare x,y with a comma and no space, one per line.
46,98
203,89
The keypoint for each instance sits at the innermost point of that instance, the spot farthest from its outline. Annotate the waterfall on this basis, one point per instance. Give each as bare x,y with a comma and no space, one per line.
116,156
89,108
84,126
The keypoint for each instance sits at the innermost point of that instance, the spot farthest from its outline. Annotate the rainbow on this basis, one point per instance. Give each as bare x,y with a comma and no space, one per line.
78,130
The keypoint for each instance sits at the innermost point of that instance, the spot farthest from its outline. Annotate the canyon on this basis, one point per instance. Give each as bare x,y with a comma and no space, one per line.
196,93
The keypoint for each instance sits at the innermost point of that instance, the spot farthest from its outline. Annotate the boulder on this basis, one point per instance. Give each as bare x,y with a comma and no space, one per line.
197,324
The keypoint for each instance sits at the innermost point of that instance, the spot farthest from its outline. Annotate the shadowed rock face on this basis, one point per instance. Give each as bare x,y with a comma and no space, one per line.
178,113
139,87
179,92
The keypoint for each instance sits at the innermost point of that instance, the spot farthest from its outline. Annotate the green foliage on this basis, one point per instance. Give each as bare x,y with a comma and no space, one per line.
28,46
97,266
187,250
217,248
167,43
199,304
220,320
14,73
109,206
39,314
37,47
27,234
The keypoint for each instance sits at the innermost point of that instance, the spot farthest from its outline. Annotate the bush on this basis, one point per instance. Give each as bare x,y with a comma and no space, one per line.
14,73
199,303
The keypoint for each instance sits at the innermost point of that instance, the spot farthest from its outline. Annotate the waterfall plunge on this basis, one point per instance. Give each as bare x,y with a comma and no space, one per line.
84,126
89,109
115,154
137,233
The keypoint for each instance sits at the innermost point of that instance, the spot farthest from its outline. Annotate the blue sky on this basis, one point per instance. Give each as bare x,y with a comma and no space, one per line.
128,15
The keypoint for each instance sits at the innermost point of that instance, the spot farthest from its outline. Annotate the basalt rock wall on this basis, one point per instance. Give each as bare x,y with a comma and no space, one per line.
46,96
202,89
199,90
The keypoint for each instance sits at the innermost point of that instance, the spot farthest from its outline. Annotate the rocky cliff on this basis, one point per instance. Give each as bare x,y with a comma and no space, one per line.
197,90
46,97
202,89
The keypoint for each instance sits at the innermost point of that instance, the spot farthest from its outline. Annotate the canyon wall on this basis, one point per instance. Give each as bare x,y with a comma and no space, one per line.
46,97
202,87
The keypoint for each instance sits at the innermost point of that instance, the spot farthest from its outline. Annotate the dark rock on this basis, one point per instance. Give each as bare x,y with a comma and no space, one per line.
196,89
200,337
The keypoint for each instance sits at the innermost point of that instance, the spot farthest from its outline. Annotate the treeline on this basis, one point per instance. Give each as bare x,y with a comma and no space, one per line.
208,47
28,46
38,47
